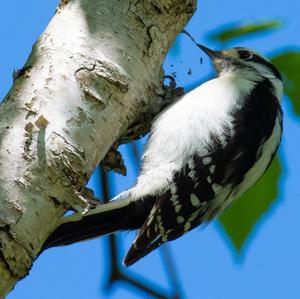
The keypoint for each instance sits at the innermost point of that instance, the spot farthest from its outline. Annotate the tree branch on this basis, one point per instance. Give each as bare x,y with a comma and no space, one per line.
89,77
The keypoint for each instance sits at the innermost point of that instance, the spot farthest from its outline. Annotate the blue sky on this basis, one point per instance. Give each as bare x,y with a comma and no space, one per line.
206,263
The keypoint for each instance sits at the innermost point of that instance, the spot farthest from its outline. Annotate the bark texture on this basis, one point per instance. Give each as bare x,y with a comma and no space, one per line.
89,78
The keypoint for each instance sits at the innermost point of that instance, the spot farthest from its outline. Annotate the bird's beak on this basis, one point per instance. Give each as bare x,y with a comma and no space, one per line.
211,53
219,58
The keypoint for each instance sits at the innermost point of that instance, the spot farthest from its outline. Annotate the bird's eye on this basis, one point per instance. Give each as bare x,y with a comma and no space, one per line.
245,55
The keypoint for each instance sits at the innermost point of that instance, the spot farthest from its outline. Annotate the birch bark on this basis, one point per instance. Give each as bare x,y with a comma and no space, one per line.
90,75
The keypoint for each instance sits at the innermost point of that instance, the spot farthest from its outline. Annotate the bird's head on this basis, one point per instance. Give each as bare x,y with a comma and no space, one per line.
243,61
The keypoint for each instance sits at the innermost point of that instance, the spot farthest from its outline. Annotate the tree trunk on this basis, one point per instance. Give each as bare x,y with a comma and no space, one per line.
90,75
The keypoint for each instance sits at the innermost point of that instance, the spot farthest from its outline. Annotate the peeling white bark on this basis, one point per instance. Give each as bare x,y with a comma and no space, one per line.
90,75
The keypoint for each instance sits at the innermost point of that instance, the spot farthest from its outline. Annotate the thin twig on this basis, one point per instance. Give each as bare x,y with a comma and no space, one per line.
190,36
115,273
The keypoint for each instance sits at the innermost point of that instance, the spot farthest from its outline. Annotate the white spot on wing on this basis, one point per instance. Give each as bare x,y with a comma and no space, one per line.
206,160
164,238
203,152
173,189
217,188
187,226
194,200
192,174
178,208
180,219
191,164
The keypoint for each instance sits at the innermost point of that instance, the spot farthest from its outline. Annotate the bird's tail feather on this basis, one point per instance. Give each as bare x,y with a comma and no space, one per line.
104,219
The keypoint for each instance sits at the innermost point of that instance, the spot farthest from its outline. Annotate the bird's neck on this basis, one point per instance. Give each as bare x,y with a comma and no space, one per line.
246,79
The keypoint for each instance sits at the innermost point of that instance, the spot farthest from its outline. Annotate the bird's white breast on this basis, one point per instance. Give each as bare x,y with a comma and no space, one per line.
186,127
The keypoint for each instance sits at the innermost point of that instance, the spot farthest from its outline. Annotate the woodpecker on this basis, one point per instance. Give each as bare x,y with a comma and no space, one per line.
204,151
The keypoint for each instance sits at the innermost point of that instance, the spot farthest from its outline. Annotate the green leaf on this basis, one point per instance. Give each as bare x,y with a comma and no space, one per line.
289,65
239,220
237,30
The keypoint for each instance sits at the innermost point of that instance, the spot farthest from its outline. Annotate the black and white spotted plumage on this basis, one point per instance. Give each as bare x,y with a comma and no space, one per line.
204,151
